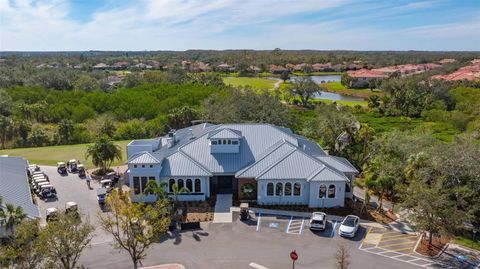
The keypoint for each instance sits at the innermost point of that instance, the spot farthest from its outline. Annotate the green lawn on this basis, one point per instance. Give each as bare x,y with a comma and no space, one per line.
339,88
52,155
343,102
468,242
254,82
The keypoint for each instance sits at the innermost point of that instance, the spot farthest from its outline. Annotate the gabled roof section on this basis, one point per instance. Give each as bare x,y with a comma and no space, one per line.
179,164
327,174
268,159
294,165
144,158
225,133
338,163
14,186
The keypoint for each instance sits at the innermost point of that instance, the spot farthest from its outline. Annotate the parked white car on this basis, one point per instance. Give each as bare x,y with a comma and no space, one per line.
318,221
349,226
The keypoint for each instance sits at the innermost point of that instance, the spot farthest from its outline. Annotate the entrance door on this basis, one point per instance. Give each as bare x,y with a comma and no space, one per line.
224,184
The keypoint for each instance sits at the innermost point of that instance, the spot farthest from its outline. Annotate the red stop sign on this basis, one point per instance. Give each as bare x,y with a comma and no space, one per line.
294,255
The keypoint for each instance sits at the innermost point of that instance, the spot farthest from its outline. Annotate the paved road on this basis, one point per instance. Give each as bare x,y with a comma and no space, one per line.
236,245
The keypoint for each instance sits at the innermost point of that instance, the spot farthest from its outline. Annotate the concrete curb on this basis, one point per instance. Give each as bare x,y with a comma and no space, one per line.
165,266
431,257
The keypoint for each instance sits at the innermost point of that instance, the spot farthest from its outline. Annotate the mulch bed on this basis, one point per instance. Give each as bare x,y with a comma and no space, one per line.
197,211
438,243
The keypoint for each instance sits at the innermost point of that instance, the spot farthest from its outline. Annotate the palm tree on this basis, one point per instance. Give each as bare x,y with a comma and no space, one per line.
103,152
157,189
13,216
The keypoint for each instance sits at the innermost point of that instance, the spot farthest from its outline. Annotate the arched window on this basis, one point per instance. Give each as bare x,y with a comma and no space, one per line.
170,184
297,189
322,191
180,184
189,185
288,189
331,191
270,189
279,189
198,185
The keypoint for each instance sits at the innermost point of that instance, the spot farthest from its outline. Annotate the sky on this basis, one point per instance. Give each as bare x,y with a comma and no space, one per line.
72,25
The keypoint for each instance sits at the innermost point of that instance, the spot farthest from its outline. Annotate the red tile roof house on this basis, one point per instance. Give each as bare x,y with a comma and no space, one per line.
120,65
277,69
447,61
322,67
469,73
362,78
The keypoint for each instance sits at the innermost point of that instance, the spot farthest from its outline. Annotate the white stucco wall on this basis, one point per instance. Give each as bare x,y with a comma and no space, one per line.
192,197
338,201
263,199
140,171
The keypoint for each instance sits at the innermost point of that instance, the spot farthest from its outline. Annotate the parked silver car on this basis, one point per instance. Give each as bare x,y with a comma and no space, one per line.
318,221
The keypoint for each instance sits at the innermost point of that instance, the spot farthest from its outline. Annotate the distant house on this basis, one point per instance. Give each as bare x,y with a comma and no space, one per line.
302,67
254,69
15,188
154,64
469,73
143,66
200,67
100,66
120,65
114,80
259,162
447,61
322,67
364,78
225,68
277,69
78,66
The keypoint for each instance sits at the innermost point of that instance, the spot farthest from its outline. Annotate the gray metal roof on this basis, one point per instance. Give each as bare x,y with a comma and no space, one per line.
178,164
328,174
294,165
144,157
265,151
256,138
338,163
225,133
14,186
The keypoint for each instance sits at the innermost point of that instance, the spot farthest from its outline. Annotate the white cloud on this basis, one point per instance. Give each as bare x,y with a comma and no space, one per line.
215,24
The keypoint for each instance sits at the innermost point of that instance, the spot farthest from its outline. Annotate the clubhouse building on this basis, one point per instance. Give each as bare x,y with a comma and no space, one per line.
258,162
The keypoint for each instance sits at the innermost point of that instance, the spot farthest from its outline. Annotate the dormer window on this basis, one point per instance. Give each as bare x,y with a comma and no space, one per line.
225,141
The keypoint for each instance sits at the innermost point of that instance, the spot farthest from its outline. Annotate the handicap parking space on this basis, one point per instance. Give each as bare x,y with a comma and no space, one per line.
397,246
285,224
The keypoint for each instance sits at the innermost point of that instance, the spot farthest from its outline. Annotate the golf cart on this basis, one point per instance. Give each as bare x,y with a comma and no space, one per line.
72,166
62,168
107,184
47,191
244,212
51,214
113,176
81,170
101,196
72,208
39,184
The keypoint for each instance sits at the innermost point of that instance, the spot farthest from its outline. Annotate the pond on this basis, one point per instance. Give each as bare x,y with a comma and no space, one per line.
329,95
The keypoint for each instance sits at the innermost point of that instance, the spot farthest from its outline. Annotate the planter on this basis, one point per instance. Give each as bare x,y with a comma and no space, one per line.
190,226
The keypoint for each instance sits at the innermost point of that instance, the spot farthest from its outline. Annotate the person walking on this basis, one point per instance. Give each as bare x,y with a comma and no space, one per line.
88,181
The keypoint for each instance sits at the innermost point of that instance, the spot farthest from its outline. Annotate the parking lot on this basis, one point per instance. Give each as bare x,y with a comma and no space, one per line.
72,188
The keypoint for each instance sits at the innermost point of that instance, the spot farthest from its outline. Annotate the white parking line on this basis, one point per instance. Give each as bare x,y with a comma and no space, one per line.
290,222
301,228
258,221
334,227
258,266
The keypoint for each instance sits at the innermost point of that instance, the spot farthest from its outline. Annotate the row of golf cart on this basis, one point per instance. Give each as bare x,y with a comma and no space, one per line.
72,166
70,208
41,185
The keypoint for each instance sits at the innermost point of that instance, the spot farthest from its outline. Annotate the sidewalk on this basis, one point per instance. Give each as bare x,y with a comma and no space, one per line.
223,214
